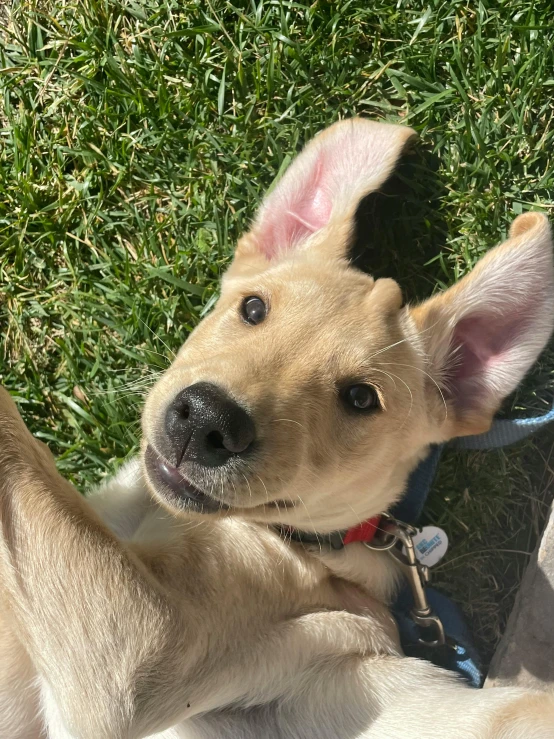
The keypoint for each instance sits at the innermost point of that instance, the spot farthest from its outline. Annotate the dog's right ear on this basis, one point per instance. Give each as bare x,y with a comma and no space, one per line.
313,205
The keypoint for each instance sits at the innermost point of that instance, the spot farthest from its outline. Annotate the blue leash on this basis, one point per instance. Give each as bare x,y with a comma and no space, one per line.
463,657
505,432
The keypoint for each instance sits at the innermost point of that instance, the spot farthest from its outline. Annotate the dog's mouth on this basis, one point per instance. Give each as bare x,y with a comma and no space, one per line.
179,490
167,478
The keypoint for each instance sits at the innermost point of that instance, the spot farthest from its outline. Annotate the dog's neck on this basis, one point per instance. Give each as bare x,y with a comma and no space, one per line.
363,532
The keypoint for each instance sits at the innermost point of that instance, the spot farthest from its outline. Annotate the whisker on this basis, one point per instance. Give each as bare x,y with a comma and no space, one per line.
130,394
419,369
311,521
405,384
159,339
234,489
282,559
248,483
402,341
128,385
374,369
264,486
289,420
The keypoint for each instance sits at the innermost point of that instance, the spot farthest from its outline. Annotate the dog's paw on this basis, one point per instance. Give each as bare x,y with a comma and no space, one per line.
376,572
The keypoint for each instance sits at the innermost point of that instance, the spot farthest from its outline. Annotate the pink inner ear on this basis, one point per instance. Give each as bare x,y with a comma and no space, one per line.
291,217
480,344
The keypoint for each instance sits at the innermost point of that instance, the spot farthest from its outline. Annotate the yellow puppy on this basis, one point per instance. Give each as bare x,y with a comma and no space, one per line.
167,605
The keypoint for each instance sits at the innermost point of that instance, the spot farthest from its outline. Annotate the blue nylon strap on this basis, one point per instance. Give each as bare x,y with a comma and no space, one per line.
464,658
419,484
504,432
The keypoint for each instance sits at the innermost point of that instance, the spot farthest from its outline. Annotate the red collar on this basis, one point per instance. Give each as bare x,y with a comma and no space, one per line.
363,532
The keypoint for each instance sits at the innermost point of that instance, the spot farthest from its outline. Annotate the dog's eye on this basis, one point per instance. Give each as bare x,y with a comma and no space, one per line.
361,397
254,310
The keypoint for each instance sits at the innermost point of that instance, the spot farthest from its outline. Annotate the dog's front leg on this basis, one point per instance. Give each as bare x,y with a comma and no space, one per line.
122,653
96,625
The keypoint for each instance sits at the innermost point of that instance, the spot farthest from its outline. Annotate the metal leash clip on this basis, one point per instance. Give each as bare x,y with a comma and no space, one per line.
396,537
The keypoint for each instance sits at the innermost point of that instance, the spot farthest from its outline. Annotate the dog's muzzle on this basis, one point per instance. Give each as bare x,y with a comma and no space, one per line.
203,429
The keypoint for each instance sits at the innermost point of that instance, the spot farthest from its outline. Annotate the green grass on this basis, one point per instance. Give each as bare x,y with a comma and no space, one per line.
137,138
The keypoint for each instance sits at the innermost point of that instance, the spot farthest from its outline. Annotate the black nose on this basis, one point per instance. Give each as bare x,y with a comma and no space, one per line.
203,424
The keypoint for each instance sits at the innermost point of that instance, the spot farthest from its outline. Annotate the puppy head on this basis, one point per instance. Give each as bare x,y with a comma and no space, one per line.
308,395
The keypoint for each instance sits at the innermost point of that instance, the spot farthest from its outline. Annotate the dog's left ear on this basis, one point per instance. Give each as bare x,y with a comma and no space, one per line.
314,203
483,334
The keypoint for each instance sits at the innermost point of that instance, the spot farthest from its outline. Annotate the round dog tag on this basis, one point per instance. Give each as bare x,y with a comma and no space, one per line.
430,545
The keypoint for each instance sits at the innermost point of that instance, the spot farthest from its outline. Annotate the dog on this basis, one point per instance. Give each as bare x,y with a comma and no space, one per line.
169,603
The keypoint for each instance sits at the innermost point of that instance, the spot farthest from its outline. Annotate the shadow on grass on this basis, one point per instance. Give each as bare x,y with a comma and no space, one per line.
400,231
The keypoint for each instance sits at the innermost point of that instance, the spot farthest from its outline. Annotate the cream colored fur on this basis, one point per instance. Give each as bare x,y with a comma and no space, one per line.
126,616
